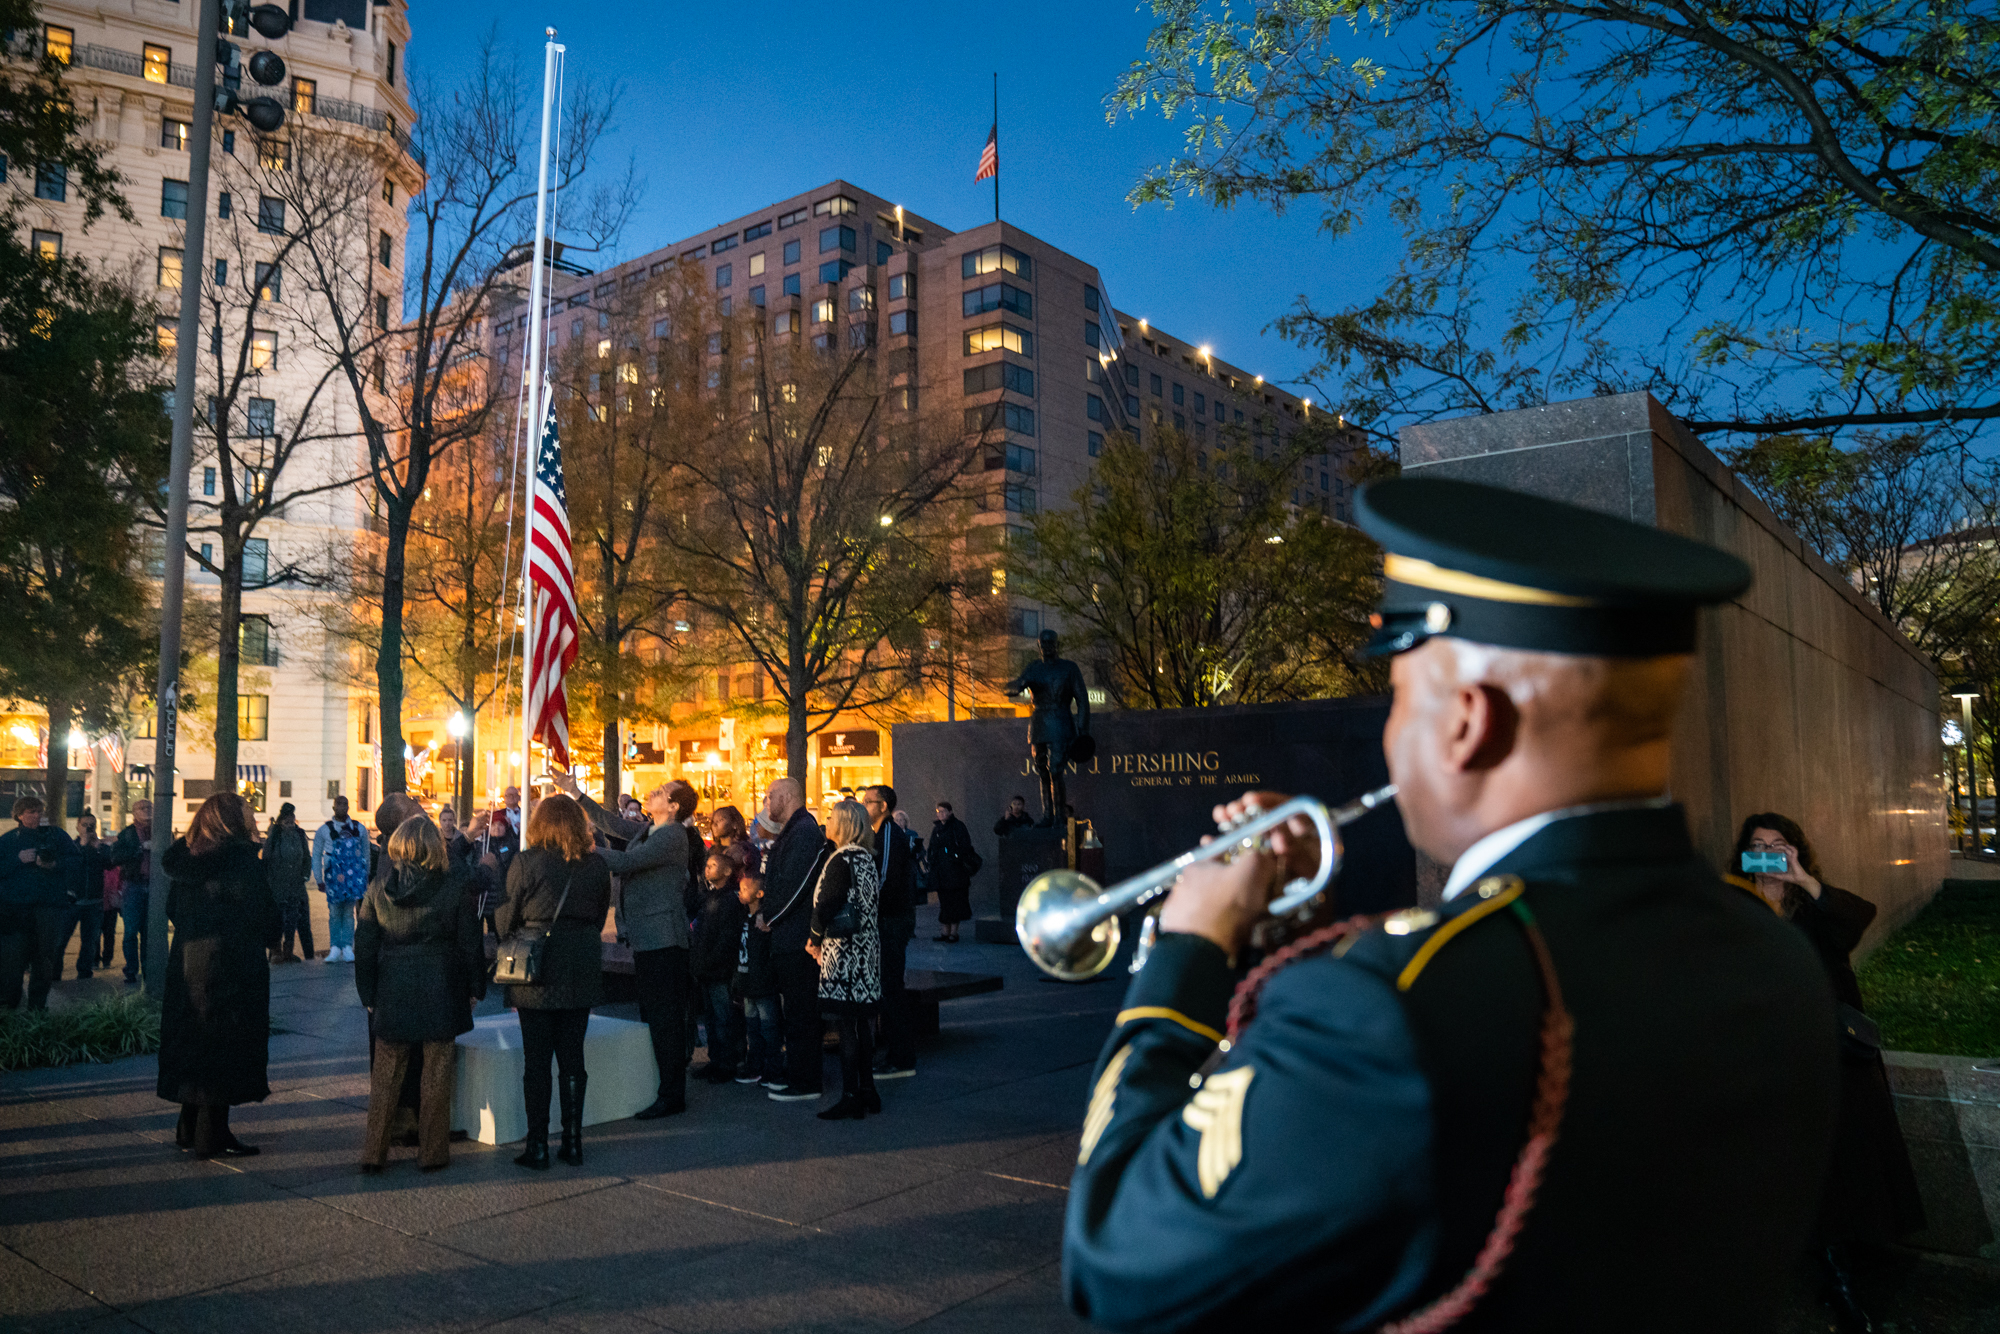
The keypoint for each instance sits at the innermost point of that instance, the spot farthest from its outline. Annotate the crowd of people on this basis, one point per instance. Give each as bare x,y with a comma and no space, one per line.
755,939
750,943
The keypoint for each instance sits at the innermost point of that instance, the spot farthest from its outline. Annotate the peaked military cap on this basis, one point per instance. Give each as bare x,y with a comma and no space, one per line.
1519,571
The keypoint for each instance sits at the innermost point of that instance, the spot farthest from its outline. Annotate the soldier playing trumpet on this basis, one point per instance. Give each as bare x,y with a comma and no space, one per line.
1594,1089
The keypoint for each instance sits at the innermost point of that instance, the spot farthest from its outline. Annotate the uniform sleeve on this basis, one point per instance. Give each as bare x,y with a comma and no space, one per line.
1301,1165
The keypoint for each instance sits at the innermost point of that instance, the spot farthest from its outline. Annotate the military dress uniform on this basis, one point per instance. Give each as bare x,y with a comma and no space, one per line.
1343,1163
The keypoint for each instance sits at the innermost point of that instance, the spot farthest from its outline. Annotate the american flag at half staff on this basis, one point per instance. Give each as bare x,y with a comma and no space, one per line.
552,636
989,156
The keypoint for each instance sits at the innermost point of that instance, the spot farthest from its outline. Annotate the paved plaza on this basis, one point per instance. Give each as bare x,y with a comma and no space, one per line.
942,1214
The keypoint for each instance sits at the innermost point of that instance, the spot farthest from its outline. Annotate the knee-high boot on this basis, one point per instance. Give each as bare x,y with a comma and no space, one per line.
570,1089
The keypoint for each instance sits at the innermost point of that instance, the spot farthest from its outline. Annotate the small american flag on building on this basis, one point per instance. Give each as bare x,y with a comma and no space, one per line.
552,627
113,746
989,156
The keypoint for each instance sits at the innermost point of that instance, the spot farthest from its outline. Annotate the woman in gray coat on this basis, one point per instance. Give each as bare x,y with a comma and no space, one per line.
559,884
419,964
653,919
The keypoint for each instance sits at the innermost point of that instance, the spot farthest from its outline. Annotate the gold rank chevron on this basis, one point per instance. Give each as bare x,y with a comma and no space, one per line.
1217,1112
1098,1118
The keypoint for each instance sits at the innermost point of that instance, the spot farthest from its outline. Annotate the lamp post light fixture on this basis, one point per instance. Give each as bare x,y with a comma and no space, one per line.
1971,767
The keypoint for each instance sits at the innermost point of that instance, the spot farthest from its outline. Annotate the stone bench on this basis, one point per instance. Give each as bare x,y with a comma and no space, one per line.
486,1092
928,986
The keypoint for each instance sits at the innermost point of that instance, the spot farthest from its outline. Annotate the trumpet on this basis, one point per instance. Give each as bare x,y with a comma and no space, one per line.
1068,924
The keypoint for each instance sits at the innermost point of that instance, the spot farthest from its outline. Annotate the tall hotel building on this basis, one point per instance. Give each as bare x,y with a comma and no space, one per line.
304,720
1019,335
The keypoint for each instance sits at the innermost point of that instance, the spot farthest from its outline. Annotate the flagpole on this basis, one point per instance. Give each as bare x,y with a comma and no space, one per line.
996,145
537,398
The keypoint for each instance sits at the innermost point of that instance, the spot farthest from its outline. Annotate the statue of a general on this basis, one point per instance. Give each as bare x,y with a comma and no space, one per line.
1054,738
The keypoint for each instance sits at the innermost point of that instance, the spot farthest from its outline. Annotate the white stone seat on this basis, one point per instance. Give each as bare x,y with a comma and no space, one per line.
486,1091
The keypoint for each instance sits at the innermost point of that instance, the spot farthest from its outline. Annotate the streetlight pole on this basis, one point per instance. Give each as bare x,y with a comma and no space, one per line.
1971,766
174,577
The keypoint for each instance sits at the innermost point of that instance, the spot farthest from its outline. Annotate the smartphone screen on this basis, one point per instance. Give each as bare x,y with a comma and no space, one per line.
1764,863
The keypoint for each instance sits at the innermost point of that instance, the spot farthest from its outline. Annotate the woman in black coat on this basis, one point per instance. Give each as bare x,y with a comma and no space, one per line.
952,864
557,883
419,964
1871,1192
215,1024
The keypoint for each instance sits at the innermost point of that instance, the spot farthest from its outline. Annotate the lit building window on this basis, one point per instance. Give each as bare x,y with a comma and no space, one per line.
59,43
168,274
48,244
158,61
263,350
305,96
175,134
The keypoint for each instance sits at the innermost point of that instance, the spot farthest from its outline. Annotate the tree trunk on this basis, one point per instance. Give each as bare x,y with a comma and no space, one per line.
795,696
389,655
613,759
228,662
55,777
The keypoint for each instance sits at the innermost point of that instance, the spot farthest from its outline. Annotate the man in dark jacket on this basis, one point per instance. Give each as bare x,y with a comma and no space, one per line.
132,854
894,862
1541,1105
37,890
791,869
1017,817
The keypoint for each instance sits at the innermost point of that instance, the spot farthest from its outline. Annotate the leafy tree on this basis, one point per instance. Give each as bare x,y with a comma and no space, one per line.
813,525
41,129
81,430
82,436
1194,583
1779,218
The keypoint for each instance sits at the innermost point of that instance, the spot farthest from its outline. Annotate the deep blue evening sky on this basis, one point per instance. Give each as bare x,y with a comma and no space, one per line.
729,107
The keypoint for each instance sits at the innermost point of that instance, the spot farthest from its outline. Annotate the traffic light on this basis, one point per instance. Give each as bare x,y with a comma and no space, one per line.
266,114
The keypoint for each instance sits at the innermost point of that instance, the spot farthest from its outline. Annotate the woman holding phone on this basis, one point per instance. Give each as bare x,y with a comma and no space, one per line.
1871,1194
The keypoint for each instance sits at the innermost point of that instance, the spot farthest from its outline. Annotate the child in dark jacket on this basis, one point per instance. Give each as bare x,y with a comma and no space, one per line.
712,962
756,990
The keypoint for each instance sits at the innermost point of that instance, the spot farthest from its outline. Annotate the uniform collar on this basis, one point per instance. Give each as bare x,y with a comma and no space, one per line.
1502,844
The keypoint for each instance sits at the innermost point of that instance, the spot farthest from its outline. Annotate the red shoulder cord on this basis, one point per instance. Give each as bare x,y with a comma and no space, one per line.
1551,1093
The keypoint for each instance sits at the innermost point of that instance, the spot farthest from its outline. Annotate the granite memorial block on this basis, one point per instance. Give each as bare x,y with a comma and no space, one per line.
1155,777
1804,698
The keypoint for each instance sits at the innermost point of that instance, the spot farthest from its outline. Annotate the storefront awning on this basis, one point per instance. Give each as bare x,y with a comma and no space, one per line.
250,773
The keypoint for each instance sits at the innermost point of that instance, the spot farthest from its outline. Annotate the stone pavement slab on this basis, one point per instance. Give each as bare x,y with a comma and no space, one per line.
743,1214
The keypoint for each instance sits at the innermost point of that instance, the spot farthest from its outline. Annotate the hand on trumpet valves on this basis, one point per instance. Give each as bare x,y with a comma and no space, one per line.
1222,900
1295,843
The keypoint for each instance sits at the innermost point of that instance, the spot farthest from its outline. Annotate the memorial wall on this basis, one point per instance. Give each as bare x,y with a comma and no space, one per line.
1805,700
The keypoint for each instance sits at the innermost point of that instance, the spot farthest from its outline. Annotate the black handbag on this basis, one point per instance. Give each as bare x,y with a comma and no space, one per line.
841,925
1859,1035
519,960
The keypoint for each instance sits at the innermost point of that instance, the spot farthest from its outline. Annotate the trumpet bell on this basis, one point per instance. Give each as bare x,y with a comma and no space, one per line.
1054,922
